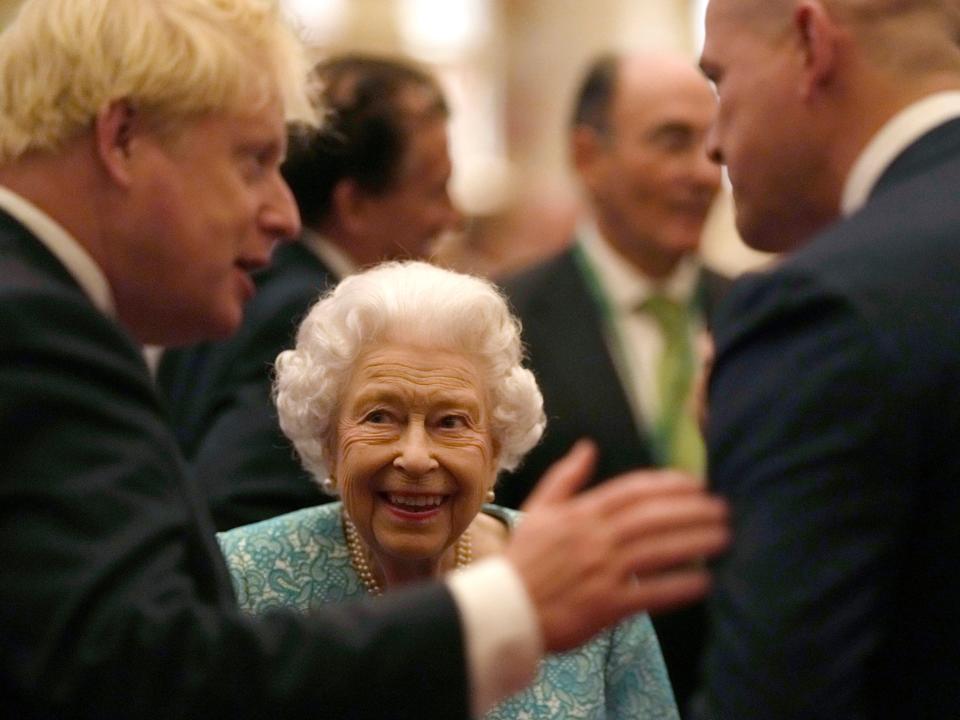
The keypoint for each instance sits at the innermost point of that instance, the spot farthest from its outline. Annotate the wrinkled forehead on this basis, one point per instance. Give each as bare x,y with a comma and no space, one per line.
418,372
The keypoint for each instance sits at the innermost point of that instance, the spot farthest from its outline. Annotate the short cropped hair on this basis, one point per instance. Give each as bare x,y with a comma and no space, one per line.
594,98
418,303
65,60
373,105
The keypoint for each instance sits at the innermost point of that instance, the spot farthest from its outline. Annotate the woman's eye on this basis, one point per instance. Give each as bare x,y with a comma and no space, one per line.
377,417
453,422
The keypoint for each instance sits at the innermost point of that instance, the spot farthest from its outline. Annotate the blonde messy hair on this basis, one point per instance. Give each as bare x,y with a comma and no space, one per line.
61,61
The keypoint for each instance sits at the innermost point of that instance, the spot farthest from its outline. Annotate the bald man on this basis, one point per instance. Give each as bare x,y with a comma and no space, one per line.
637,140
835,398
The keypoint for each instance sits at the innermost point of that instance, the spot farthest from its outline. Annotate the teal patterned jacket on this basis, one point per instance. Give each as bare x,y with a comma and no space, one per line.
300,560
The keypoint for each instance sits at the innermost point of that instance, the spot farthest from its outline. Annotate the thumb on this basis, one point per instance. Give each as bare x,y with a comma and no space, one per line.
564,477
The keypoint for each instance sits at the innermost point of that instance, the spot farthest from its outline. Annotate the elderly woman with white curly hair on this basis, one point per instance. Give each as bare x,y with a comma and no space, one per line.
407,395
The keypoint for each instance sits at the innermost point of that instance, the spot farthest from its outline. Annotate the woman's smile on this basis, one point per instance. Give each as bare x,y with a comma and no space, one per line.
415,457
414,506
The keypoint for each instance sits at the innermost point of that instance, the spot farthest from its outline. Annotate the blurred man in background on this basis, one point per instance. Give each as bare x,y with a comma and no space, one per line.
612,324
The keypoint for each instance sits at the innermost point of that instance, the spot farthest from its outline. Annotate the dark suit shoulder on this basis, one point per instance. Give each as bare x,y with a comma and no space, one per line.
533,284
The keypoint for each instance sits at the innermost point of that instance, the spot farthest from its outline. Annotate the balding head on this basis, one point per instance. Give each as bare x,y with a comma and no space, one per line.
639,146
803,87
902,36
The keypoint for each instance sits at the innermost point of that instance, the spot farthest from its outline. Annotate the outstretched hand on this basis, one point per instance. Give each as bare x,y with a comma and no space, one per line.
631,544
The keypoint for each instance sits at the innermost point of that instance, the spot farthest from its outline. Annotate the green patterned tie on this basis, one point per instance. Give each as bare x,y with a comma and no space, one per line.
677,437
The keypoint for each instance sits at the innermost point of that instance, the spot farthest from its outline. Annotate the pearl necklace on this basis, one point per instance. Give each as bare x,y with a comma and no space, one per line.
463,555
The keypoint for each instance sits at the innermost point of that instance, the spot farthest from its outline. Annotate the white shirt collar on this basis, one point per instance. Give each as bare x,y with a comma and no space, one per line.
64,246
330,254
625,287
893,138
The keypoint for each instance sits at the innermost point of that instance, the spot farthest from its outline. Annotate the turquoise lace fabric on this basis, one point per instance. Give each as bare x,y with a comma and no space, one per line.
300,560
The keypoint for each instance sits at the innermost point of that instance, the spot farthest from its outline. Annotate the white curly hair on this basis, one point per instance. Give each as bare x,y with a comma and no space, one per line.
413,302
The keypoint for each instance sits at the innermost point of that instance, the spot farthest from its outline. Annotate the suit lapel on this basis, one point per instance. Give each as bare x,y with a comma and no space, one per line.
597,391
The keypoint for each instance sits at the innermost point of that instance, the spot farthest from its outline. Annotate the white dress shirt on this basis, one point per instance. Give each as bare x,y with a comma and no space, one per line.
636,340
330,254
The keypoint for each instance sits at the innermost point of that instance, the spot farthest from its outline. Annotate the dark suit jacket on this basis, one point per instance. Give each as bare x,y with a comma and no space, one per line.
834,426
564,337
583,396
114,599
219,396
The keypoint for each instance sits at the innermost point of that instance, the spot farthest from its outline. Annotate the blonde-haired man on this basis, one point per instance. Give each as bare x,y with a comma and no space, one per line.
835,394
140,145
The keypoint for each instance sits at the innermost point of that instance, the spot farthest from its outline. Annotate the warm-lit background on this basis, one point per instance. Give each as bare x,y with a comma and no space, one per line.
510,68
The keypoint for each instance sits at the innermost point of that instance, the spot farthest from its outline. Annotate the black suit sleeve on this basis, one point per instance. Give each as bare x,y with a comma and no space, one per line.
114,600
803,406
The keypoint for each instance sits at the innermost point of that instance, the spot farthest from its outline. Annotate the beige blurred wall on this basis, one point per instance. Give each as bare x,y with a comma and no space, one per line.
7,10
512,95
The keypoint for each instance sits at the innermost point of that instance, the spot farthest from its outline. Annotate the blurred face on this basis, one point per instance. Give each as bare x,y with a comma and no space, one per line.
414,457
207,206
772,145
417,209
651,181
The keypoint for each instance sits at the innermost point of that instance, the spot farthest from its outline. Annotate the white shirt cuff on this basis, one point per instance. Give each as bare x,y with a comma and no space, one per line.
501,631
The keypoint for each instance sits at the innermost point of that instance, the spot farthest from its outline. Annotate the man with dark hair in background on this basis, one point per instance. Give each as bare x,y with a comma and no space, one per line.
371,186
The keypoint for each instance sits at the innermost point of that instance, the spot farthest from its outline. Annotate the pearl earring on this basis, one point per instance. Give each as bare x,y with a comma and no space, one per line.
329,486
491,495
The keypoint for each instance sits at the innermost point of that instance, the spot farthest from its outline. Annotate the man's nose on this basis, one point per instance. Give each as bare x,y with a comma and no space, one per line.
706,171
415,456
281,217
714,153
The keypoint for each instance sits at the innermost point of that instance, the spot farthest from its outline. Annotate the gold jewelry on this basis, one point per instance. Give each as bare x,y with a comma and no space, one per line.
463,554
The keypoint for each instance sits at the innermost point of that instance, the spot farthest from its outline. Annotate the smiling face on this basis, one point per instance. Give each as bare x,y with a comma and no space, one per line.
414,455
208,205
650,180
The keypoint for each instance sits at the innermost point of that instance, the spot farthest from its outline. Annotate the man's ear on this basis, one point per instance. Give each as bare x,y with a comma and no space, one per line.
819,38
349,204
586,150
114,127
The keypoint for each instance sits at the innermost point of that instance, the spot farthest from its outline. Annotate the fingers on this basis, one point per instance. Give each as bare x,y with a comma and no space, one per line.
564,477
637,487
567,626
673,548
665,591
671,513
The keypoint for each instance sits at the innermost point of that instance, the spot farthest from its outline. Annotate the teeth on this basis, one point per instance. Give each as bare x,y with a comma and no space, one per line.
416,500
